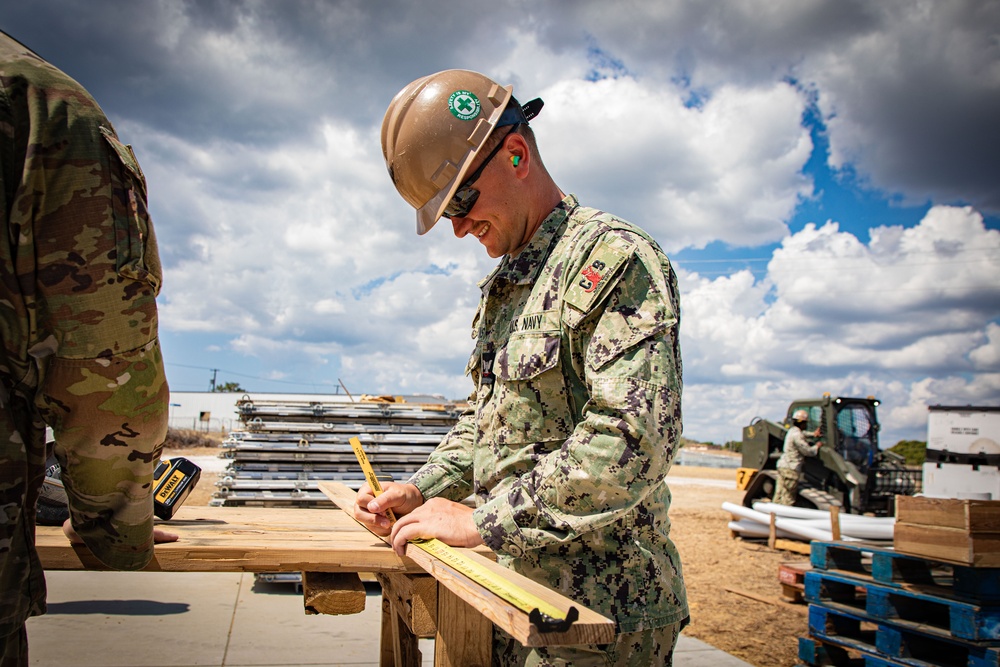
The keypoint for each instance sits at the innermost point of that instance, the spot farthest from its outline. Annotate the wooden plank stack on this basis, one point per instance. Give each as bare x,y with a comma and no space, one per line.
874,607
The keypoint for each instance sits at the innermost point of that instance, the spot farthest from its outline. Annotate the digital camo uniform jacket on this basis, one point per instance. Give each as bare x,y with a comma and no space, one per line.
79,273
576,418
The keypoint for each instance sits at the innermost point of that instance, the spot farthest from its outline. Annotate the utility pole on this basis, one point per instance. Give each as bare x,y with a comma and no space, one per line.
215,372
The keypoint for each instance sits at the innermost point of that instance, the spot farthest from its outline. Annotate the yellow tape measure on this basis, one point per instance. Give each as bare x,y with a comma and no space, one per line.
545,616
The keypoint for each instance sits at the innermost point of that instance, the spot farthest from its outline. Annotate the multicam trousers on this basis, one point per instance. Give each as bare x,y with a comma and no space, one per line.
787,487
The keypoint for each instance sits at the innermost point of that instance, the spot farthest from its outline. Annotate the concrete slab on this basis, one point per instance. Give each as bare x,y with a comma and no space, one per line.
179,619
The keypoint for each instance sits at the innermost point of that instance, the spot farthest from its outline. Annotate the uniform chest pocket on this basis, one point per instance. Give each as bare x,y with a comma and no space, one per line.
531,401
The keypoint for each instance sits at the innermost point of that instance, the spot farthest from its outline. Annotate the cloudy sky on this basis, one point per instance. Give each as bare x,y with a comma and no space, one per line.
825,175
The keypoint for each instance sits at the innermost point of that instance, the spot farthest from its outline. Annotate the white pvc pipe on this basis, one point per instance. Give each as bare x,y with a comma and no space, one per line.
809,513
851,525
864,531
754,529
790,525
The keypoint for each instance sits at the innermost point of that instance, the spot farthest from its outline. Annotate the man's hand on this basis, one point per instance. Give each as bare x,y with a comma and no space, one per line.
159,536
448,521
400,498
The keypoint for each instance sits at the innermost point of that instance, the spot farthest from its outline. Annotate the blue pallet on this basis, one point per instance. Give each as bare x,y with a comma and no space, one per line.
818,653
886,641
944,616
885,566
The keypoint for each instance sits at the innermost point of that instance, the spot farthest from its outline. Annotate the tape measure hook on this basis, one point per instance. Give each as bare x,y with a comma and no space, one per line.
546,623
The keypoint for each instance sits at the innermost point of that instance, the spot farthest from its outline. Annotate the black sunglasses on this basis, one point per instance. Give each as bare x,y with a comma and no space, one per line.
466,196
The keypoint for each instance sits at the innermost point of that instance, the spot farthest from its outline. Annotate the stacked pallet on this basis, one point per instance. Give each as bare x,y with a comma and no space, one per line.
283,449
875,607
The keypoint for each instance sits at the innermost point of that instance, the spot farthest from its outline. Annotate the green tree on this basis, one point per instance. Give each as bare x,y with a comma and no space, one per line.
914,451
229,387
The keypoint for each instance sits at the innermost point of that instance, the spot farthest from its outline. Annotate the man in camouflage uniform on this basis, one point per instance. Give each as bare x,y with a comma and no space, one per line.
576,412
79,274
793,457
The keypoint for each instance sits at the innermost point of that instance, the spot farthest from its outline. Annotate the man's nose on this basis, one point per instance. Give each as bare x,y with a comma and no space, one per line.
462,226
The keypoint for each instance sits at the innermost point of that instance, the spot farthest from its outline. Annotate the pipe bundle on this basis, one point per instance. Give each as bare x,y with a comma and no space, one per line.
806,524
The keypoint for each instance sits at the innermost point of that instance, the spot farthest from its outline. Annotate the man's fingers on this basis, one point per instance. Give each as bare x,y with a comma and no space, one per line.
161,536
402,533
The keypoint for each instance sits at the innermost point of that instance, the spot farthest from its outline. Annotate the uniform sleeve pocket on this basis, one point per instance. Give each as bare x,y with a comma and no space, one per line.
136,253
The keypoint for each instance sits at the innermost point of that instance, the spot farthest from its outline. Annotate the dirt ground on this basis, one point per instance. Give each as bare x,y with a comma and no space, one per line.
733,589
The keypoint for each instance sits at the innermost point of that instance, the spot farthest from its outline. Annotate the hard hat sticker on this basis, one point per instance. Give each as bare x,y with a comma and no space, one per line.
463,105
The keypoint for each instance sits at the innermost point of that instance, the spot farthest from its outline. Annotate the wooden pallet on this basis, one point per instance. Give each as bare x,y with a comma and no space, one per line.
944,617
887,641
915,573
792,577
818,653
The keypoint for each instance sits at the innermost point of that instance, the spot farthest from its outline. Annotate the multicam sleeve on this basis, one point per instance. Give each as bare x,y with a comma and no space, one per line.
101,380
621,450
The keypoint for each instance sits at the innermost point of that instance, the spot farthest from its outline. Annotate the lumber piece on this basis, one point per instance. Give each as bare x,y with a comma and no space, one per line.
334,593
246,539
415,598
950,545
792,545
464,638
775,602
399,646
973,516
590,628
959,531
835,522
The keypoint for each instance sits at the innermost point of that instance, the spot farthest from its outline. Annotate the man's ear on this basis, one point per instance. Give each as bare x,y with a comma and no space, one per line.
518,149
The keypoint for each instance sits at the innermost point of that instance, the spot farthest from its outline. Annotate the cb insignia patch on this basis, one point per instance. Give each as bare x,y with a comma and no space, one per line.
598,272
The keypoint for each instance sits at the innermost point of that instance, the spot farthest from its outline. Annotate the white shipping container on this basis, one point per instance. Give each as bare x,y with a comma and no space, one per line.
956,480
964,430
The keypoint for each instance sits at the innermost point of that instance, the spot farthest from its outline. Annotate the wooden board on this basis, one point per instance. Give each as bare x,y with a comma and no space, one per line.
334,593
972,516
591,628
247,539
951,545
955,530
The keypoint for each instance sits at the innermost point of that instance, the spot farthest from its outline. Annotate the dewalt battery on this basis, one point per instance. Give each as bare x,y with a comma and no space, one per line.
173,480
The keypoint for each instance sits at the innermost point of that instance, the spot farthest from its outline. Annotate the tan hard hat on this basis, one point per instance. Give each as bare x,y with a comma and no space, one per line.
800,416
431,133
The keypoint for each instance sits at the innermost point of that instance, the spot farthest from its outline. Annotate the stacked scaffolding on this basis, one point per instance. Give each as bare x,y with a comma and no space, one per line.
284,448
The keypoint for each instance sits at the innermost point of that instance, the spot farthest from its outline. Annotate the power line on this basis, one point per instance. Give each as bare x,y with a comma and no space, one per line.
242,375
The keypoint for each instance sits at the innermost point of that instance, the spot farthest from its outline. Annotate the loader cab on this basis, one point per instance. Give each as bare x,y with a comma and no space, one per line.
857,434
849,426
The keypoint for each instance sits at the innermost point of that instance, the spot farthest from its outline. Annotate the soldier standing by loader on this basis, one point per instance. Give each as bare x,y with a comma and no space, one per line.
792,458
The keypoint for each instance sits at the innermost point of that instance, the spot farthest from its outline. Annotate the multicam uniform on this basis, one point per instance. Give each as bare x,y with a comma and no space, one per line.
790,463
576,418
79,273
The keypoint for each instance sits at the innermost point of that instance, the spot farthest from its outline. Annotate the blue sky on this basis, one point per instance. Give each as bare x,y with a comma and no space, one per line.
823,173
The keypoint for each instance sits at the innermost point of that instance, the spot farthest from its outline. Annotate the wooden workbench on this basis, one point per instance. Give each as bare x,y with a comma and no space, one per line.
415,604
